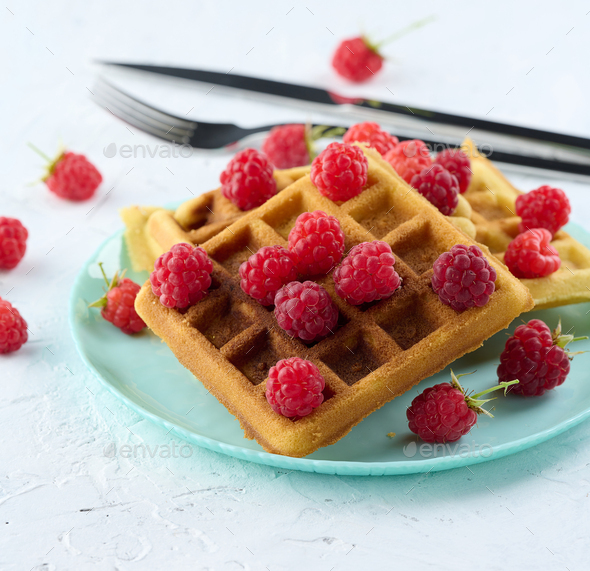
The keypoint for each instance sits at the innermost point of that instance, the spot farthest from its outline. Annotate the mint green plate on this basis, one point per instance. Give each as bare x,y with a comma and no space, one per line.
145,375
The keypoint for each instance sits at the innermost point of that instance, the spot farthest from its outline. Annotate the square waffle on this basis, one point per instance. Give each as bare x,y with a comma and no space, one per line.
379,351
492,199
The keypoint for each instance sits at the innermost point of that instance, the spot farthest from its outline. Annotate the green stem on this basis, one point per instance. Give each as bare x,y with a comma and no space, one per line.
104,274
39,152
404,31
503,385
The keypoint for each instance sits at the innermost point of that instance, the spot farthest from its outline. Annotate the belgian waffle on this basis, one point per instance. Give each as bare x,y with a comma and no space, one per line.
379,351
492,199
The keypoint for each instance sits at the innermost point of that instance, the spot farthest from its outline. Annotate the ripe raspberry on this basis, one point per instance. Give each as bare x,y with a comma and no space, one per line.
13,328
286,146
530,255
372,135
545,207
536,357
317,243
182,276
73,177
409,158
439,187
367,274
340,171
247,180
266,271
356,60
13,242
294,387
305,310
463,278
457,163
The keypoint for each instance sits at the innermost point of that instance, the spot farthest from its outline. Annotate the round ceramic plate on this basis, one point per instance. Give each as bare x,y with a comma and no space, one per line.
144,374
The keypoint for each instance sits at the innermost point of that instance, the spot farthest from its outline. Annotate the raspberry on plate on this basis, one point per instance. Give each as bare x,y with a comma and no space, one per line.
266,271
458,164
13,242
182,276
372,135
367,274
530,255
356,59
247,180
340,171
439,187
545,207
305,310
409,158
13,328
294,387
317,243
536,357
463,278
287,146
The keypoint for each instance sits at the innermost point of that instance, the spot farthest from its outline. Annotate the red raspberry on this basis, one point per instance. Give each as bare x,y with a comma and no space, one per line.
340,171
439,187
286,146
182,276
13,328
247,180
266,271
73,177
463,278
409,158
372,135
457,163
367,273
356,60
13,242
317,242
294,387
530,255
545,207
305,310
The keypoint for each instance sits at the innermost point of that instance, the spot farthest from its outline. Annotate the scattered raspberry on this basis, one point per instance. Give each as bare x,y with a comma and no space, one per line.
409,158
545,207
294,387
73,177
530,255
356,60
305,310
340,171
463,278
457,163
286,146
13,328
439,187
266,271
182,276
367,274
247,180
372,135
317,242
13,242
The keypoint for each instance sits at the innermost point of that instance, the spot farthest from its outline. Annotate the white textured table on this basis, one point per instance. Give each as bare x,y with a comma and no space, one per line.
63,503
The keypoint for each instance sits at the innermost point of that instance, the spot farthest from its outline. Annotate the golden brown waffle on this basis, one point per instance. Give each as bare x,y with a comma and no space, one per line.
229,341
492,199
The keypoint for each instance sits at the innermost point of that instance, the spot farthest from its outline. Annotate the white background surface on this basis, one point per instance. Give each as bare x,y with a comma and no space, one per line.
209,511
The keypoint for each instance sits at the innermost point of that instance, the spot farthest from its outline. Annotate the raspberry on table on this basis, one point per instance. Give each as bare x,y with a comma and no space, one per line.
372,135
546,207
181,276
73,177
409,158
13,328
340,171
439,187
306,311
356,60
458,164
463,278
530,255
367,274
286,146
266,271
247,180
317,242
294,387
13,242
